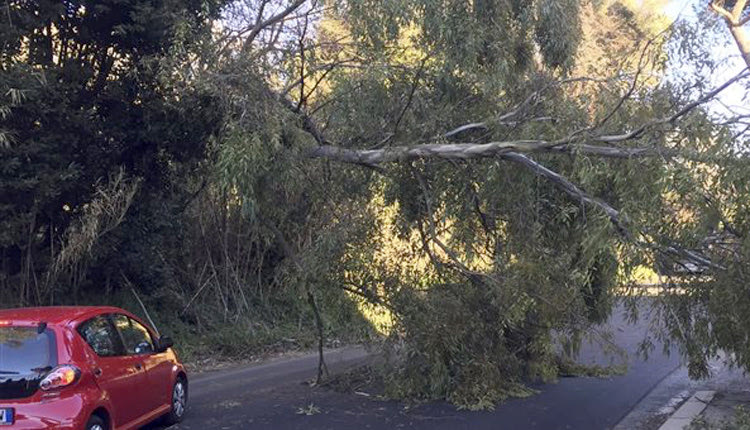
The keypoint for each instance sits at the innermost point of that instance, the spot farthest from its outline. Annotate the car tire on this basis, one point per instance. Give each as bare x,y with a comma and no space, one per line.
96,423
179,402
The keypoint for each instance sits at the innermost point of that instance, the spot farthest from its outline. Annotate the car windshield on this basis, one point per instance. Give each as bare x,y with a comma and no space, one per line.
24,351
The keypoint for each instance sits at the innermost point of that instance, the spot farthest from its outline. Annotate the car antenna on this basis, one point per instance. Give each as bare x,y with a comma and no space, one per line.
41,327
145,311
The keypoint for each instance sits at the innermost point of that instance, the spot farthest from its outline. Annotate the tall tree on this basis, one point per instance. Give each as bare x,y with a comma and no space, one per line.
86,89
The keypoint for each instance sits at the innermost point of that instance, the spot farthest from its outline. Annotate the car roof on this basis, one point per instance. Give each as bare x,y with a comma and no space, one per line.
56,315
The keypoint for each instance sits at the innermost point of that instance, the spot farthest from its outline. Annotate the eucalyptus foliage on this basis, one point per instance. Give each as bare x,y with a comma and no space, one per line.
513,261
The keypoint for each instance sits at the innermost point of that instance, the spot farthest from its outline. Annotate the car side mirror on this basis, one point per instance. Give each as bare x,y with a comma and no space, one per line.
165,342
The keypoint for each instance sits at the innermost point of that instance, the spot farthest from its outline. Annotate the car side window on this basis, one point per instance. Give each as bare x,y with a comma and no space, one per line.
135,336
100,335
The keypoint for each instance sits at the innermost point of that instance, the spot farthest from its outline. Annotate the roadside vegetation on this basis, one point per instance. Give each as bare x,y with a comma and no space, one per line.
470,184
740,421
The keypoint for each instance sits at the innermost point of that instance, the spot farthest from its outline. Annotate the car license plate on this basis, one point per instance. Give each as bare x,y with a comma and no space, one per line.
6,416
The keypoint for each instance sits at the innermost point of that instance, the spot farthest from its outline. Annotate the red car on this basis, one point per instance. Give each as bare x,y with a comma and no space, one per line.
86,368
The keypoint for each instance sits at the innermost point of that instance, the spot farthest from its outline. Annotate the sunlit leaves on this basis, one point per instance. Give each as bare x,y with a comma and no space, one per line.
557,31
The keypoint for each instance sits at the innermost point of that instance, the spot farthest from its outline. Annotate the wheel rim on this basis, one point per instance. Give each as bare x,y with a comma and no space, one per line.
178,399
96,427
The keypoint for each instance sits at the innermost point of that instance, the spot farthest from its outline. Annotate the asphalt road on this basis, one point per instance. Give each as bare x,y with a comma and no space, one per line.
274,396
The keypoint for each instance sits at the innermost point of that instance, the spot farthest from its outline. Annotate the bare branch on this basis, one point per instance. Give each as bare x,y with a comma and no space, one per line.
261,9
517,109
260,25
412,91
742,40
673,118
634,83
473,126
311,71
454,151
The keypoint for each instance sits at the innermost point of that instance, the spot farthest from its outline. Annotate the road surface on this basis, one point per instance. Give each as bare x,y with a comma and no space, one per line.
274,396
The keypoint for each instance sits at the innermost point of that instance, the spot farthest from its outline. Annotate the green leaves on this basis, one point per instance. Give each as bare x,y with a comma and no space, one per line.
79,99
557,31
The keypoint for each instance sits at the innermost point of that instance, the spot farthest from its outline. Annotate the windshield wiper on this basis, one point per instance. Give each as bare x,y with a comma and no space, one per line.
8,372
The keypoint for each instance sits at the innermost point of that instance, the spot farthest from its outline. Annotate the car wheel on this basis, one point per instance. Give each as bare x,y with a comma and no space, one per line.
96,423
179,402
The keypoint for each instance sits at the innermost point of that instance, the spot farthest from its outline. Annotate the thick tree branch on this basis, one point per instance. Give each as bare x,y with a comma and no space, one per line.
570,188
743,42
468,151
739,6
676,253
722,12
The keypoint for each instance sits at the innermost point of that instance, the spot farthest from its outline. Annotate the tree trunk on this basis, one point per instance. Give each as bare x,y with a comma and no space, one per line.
322,368
743,42
735,22
291,254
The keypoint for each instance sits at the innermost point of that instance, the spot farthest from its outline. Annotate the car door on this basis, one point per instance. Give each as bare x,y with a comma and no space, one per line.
160,371
140,343
120,376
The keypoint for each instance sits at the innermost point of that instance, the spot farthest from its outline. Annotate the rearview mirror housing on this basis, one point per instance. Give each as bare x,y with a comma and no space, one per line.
165,342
